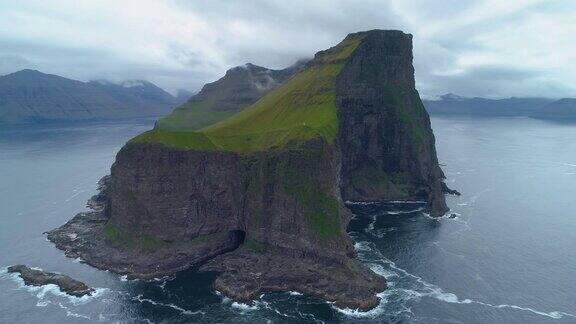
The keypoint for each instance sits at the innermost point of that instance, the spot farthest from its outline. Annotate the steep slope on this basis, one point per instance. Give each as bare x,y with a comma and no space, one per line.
30,96
563,110
388,149
257,197
239,88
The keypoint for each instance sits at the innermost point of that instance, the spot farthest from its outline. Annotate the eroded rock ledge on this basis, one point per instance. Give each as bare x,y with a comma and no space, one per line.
34,277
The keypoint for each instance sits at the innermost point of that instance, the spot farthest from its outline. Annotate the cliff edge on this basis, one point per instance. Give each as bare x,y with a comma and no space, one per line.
259,196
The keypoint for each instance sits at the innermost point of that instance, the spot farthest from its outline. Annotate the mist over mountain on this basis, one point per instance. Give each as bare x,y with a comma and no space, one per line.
182,95
238,88
30,96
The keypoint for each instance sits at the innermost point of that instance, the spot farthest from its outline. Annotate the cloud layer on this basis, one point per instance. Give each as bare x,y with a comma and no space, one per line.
472,48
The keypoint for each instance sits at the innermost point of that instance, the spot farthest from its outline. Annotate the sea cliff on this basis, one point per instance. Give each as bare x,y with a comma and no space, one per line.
259,196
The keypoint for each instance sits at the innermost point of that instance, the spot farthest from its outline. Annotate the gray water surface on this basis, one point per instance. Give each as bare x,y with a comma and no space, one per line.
508,257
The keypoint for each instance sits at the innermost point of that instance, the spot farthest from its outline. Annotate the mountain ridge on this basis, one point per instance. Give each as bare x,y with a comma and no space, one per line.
454,105
238,88
31,96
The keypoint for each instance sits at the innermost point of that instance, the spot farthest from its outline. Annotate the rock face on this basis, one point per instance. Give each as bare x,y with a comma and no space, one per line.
259,197
33,277
388,149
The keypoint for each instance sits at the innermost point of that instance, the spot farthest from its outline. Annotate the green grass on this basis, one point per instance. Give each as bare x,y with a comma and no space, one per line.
144,242
149,243
194,115
255,246
301,109
376,180
111,232
410,110
320,208
184,140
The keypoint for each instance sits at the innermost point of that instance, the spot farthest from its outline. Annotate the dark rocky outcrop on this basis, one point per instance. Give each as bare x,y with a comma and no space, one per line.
33,277
388,149
449,191
272,218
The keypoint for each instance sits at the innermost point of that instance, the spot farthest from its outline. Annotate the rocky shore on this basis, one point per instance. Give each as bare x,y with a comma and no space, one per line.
86,237
34,277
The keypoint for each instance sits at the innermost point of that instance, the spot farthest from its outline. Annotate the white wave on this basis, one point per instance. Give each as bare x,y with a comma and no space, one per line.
294,293
362,246
349,202
425,289
41,291
381,232
398,212
163,285
245,307
170,305
42,303
378,269
267,306
70,313
553,314
372,223
241,306
407,201
374,312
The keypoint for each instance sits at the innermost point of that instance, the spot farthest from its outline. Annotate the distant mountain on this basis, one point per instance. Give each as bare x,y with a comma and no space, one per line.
239,87
560,110
30,96
454,105
183,95
137,93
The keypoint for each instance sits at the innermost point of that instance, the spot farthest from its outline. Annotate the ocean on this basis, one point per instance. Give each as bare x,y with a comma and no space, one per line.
508,255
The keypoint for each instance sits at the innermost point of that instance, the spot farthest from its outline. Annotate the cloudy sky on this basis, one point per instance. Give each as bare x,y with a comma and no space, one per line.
489,48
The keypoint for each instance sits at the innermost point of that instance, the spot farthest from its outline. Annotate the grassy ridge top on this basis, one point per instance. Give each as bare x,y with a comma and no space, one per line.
194,115
304,107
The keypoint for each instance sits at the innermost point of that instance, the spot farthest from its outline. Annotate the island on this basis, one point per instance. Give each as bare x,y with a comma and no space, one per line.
258,195
36,277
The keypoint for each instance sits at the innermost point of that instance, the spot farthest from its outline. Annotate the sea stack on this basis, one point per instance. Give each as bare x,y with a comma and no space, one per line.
259,196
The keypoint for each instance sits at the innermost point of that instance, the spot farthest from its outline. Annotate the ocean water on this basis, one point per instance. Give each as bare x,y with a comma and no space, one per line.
509,255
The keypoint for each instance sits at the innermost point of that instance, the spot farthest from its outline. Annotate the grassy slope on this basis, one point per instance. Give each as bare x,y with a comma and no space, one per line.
303,108
193,116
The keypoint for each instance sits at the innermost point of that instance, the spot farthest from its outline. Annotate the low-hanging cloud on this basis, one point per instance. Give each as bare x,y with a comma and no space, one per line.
474,48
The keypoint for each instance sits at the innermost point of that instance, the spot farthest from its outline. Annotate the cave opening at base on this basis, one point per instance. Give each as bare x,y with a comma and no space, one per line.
236,237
